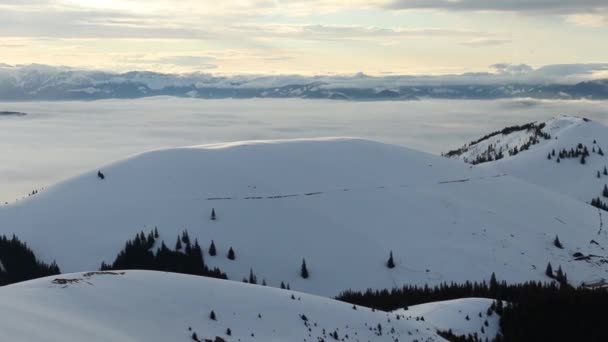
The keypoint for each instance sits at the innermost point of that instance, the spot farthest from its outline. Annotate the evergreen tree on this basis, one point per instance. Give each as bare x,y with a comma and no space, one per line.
228,332
390,263
599,151
549,271
549,156
178,244
252,278
605,171
583,161
557,243
605,191
212,316
304,270
212,250
598,174
156,233
213,217
231,255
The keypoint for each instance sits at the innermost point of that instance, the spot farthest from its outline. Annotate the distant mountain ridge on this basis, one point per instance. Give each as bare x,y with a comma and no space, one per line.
39,82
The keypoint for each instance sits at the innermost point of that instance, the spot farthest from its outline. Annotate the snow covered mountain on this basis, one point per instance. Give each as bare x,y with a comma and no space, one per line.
550,154
156,306
40,82
341,204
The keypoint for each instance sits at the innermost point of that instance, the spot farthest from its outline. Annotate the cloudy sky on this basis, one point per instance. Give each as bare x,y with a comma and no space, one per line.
303,36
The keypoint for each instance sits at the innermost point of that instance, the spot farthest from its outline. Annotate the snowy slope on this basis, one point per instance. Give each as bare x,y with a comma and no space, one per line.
121,307
342,204
569,176
467,316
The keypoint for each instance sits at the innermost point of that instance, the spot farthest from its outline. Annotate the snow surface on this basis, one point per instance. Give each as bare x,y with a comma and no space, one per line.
452,315
342,204
155,306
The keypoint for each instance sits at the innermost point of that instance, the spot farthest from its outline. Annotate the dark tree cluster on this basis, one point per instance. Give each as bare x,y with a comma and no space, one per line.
492,153
19,263
580,152
187,257
532,311
598,203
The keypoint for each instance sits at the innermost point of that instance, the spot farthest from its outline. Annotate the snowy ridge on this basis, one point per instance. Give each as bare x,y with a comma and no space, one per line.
120,306
538,164
340,204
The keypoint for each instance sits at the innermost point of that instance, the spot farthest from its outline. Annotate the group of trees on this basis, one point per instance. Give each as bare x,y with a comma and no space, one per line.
19,262
187,257
493,153
532,311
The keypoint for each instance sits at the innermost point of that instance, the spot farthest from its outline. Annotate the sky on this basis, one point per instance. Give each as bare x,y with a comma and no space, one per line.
303,36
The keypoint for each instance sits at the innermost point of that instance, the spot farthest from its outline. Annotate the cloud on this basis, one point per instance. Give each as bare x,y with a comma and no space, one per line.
588,20
480,42
522,6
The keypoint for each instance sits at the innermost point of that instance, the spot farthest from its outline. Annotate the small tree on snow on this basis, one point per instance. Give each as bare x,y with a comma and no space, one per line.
212,250
605,191
212,316
231,255
557,243
213,217
549,271
390,263
304,270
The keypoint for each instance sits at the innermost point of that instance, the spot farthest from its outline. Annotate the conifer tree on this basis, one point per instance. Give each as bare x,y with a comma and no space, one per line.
605,191
252,278
213,217
598,174
178,244
605,171
212,250
156,233
599,151
557,243
228,332
212,315
304,270
390,263
549,271
231,255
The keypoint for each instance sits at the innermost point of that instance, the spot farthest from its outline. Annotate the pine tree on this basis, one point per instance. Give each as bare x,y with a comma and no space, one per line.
598,174
228,332
549,156
557,243
213,217
194,336
605,171
583,161
549,271
283,285
156,233
212,315
178,244
304,270
252,278
599,151
605,191
212,250
231,255
390,263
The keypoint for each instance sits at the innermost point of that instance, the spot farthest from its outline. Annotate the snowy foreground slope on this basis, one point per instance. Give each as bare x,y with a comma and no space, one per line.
341,204
155,306
568,176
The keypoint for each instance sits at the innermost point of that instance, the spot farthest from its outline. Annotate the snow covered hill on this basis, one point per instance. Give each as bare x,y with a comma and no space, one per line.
341,204
467,316
539,164
155,306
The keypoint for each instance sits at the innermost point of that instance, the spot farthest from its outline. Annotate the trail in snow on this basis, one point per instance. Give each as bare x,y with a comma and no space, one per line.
316,193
